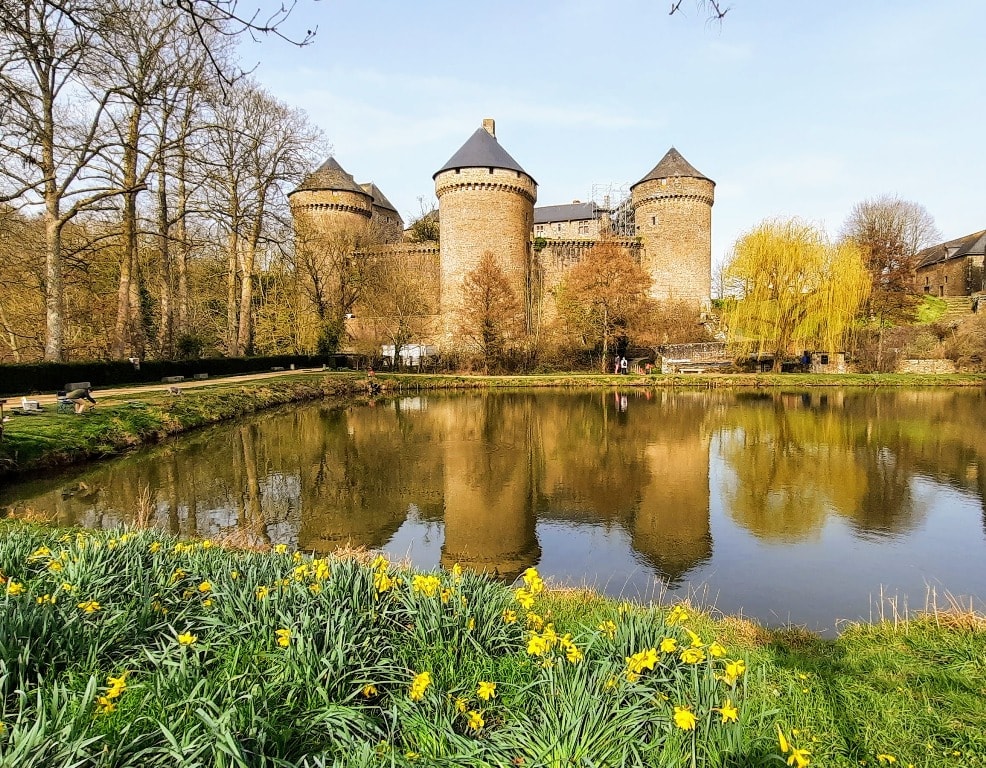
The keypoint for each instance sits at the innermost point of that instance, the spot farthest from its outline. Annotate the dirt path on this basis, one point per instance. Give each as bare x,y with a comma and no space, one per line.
158,387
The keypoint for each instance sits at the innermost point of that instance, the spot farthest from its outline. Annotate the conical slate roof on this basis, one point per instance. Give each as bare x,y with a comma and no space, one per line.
330,176
379,198
481,151
672,165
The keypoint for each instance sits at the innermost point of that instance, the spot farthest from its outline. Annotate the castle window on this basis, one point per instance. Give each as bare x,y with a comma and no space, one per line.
491,170
539,229
583,227
653,221
926,279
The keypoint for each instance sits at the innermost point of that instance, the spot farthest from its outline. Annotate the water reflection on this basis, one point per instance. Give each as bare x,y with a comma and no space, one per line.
496,473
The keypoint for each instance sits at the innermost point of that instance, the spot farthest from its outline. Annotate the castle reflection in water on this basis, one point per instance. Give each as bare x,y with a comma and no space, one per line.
488,470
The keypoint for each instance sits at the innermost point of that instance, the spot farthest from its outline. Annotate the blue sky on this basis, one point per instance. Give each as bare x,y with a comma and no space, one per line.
793,107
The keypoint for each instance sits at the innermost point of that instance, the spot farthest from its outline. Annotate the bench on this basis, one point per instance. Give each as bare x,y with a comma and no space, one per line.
200,376
277,368
172,379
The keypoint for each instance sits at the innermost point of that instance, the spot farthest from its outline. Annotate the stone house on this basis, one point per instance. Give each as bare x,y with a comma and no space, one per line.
953,268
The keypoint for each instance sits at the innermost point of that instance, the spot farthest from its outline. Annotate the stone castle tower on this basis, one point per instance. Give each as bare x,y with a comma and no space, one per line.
485,203
672,208
329,200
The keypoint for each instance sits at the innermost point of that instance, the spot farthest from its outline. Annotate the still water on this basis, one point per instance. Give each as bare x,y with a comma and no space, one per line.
789,507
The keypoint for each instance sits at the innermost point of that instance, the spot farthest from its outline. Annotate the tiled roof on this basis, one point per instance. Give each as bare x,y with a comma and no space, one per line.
672,165
969,245
481,151
379,198
571,212
331,176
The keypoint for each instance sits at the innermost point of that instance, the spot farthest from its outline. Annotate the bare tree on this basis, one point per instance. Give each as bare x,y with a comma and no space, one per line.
398,301
491,317
890,232
54,127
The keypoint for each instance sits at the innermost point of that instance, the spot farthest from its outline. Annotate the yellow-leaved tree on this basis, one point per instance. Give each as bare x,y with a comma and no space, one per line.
793,290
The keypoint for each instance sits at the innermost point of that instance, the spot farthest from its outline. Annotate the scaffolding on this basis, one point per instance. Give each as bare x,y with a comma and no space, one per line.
613,201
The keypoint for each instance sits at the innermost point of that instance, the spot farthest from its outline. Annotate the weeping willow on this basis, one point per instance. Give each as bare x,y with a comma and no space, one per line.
795,290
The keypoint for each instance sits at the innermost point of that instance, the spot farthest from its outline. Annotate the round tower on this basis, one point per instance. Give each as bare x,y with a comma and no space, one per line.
326,201
672,208
485,203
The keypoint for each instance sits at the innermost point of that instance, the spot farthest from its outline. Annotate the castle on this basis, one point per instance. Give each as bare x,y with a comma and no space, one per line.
486,203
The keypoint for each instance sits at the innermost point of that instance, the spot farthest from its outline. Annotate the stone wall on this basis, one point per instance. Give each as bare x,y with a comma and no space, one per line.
480,210
926,366
674,222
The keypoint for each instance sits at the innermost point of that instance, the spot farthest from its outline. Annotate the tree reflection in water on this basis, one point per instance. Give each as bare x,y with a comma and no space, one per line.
487,468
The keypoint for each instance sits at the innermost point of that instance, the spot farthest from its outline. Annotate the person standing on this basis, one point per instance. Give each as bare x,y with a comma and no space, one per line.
623,366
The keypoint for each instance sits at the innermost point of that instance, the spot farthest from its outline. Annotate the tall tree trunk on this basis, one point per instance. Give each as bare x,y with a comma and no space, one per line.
165,333
245,336
232,263
128,329
54,286
181,255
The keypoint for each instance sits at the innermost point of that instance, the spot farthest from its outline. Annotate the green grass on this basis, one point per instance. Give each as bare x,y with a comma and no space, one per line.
340,689
121,422
930,309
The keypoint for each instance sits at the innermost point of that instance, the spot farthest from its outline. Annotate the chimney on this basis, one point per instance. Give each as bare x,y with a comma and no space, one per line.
489,124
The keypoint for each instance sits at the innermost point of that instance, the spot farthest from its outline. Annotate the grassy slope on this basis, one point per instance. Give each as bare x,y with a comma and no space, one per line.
123,421
911,691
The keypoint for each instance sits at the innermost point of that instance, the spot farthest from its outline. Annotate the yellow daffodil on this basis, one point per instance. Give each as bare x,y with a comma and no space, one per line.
106,705
886,759
154,547
509,616
46,600
445,594
782,741
379,562
716,651
669,645
729,713
39,553
684,718
187,638
89,606
369,690
525,598
314,587
470,624
799,758
426,585
461,704
280,549
696,640
207,603
533,581
321,569
573,654
55,566
486,690
456,571
693,656
534,621
476,720
642,660
205,586
677,616
234,575
734,671
283,637
381,581
14,588
537,645
608,628
261,592
419,684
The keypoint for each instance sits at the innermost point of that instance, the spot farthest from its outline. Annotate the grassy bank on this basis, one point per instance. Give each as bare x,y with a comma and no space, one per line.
130,648
126,419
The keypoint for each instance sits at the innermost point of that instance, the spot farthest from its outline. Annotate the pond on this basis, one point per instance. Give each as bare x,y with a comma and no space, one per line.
784,506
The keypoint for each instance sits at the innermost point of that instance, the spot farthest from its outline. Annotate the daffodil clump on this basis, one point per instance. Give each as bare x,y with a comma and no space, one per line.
130,648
